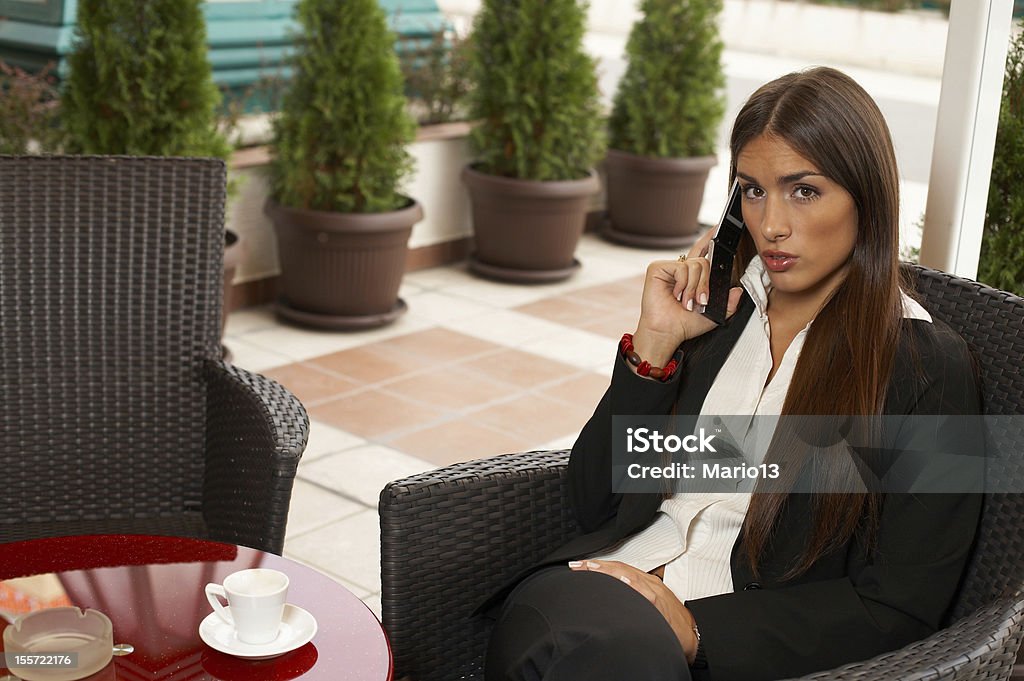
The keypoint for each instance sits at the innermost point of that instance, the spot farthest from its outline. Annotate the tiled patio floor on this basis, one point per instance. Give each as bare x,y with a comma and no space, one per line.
474,369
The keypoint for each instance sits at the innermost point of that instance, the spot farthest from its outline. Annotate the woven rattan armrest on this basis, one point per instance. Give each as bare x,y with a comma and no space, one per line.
980,646
451,537
256,432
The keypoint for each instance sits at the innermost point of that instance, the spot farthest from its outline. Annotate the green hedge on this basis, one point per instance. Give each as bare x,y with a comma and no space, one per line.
1002,247
897,5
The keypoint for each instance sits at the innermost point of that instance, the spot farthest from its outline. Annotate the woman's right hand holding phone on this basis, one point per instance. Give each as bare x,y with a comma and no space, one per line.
674,291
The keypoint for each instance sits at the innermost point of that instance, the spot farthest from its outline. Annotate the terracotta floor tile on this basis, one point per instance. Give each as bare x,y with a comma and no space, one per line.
450,387
624,293
436,346
456,441
612,324
373,414
369,364
519,368
310,384
564,309
583,389
535,418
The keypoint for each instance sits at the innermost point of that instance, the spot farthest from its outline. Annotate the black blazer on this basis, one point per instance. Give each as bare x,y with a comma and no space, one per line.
849,605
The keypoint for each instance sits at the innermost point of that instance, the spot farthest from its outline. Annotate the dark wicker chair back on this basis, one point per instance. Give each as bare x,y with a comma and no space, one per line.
992,323
110,304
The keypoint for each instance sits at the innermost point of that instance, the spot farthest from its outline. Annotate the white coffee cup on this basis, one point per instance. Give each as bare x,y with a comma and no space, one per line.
257,598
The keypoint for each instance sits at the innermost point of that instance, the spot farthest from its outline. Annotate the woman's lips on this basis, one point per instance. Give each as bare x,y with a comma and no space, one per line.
778,262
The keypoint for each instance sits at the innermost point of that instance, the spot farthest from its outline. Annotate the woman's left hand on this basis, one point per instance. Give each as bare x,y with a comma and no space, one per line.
655,591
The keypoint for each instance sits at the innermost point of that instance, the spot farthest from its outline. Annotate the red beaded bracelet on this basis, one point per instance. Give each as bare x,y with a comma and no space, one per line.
643,367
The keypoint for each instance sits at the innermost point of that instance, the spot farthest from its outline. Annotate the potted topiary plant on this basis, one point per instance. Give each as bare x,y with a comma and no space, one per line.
339,154
538,137
661,134
1002,247
140,84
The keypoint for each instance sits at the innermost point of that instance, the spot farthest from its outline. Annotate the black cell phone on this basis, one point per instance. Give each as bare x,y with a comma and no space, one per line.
721,253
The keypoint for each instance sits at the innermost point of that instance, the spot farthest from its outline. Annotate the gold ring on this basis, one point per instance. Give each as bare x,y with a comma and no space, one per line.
682,257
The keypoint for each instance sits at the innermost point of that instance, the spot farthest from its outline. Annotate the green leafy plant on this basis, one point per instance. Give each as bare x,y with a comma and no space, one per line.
240,106
436,75
889,5
263,95
1002,246
535,91
29,111
908,252
140,82
669,102
340,140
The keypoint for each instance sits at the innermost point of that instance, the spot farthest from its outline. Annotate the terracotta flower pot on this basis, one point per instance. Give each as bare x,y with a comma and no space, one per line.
527,231
654,202
342,270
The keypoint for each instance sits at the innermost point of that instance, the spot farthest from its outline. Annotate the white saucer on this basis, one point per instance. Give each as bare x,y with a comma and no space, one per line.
297,628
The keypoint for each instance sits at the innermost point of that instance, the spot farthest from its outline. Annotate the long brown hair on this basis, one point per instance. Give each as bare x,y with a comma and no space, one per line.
847,358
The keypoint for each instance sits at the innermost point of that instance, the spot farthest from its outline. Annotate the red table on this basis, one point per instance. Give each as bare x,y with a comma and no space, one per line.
152,590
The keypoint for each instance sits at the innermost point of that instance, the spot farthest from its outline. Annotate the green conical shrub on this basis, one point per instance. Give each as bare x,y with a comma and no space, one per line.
536,91
1002,246
669,102
140,82
340,140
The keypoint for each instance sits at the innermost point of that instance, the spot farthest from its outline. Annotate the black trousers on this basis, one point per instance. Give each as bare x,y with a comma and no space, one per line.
562,625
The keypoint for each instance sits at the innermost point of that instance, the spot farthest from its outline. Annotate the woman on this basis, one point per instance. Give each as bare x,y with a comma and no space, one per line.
763,586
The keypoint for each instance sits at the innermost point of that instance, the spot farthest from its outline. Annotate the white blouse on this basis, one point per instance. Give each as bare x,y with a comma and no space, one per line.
693,533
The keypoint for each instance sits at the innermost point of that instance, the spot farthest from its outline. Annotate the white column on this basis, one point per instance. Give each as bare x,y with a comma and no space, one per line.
965,134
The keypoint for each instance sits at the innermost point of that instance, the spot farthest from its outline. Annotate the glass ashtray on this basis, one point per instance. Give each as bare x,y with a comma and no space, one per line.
46,637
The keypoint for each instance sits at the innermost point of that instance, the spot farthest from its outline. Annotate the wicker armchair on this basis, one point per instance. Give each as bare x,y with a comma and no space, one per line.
451,537
116,413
